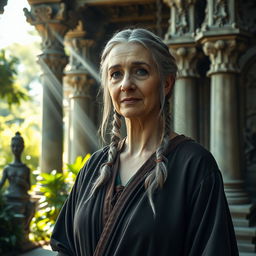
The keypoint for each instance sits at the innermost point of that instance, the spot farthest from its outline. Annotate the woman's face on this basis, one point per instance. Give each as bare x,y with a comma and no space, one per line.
133,81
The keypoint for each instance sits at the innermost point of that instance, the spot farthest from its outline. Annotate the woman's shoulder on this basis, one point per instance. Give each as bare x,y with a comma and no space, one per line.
193,160
190,150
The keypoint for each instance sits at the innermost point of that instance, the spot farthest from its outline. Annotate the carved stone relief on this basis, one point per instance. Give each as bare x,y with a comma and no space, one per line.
184,18
46,13
217,14
49,20
220,13
231,14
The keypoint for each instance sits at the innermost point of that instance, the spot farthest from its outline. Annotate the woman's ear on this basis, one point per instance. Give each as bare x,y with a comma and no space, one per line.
169,84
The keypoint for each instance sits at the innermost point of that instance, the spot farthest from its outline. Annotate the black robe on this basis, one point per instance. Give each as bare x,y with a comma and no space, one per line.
192,215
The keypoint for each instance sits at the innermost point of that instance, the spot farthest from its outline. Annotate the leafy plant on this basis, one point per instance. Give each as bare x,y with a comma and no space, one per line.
11,234
78,164
54,188
9,90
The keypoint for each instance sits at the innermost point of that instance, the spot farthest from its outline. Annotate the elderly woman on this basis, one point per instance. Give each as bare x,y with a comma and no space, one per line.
154,192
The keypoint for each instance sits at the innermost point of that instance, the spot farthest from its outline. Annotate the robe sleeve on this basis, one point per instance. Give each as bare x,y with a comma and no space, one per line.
210,229
62,239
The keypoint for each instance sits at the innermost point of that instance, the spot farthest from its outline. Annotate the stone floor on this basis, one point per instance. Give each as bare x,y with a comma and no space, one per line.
42,251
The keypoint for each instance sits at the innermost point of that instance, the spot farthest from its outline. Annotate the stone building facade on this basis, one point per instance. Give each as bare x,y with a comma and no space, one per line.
215,93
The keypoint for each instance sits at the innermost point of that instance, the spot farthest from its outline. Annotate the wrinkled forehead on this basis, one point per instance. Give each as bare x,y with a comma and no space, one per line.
128,52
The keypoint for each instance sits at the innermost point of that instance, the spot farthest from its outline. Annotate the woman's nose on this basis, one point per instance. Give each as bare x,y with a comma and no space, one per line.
127,83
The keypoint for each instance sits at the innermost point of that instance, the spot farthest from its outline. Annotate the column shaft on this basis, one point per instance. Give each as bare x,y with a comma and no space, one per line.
224,130
186,107
52,126
80,132
224,127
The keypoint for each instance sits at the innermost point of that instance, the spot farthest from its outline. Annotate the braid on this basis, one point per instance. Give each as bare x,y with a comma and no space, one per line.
158,176
105,169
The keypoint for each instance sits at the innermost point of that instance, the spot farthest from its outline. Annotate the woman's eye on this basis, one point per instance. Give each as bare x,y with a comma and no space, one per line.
116,75
141,72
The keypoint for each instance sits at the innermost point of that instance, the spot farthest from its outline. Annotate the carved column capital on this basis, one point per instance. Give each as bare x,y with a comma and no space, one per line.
187,57
81,84
76,73
223,54
53,64
51,22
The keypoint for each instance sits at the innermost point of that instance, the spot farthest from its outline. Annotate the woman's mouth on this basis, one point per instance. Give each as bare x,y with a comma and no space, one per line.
130,100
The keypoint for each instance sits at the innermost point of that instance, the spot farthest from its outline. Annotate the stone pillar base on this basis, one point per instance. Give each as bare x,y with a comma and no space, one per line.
244,220
235,192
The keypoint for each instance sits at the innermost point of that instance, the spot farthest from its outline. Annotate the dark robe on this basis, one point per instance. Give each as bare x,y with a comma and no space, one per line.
192,215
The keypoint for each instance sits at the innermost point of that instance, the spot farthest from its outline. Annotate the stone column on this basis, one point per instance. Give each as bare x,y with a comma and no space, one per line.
224,128
83,133
49,20
186,93
223,36
180,38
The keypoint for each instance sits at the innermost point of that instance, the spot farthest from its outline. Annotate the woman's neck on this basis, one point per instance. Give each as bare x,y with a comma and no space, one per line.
143,137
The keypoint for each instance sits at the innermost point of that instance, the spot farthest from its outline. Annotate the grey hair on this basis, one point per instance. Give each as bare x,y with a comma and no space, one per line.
166,65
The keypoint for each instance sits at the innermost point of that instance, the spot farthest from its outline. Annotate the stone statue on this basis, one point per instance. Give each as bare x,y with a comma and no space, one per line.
18,176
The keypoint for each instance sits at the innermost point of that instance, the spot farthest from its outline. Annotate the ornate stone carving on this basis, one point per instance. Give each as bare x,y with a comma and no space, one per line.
182,18
77,75
53,64
80,47
223,54
187,58
224,14
46,13
81,84
217,14
135,12
220,13
49,20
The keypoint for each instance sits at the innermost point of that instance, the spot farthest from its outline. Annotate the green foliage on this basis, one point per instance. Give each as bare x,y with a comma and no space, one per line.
28,68
11,234
78,164
26,120
54,188
10,91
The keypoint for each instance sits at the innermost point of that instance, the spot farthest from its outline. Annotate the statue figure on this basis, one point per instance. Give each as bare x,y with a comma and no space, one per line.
18,176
